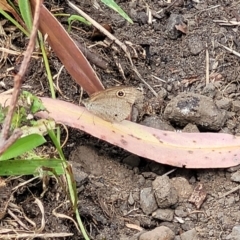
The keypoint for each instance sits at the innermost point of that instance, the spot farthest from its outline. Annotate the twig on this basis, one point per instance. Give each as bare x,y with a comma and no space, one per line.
207,9
227,23
207,65
34,235
229,192
230,50
114,39
18,78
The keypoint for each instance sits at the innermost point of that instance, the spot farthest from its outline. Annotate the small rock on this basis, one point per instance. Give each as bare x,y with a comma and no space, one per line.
159,233
132,160
224,103
156,122
235,234
171,29
184,189
142,18
130,199
236,176
133,14
149,175
80,176
196,109
173,226
157,168
164,214
231,88
165,193
189,235
236,106
147,200
190,128
188,226
195,45
210,90
162,93
233,169
180,211
146,222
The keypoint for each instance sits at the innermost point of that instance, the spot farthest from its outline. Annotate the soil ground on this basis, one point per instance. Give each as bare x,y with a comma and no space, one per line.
110,181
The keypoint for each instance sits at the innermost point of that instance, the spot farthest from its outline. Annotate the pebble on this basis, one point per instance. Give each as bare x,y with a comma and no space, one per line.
130,199
234,169
196,109
190,128
236,176
189,235
195,45
224,103
80,176
157,122
142,18
187,225
149,175
184,189
163,214
159,233
157,168
210,90
166,195
180,211
171,29
236,106
147,201
132,160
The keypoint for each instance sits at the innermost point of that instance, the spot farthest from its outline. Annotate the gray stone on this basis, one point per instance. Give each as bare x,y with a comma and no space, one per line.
130,199
132,160
159,233
190,128
149,175
235,234
233,169
188,225
195,45
147,200
157,122
181,212
236,176
164,214
236,106
196,109
210,90
171,29
184,189
224,103
165,193
189,235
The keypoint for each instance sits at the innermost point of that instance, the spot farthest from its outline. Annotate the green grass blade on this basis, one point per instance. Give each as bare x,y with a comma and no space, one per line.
71,183
13,21
29,167
115,7
26,13
23,145
74,18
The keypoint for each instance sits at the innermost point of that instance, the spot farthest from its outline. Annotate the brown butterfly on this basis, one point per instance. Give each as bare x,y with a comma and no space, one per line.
113,104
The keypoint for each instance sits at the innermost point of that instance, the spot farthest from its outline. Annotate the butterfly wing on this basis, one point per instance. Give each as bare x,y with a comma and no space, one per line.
113,104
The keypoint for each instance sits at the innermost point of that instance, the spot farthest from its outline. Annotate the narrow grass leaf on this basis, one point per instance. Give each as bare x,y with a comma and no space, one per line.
118,9
26,13
23,145
74,18
29,167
